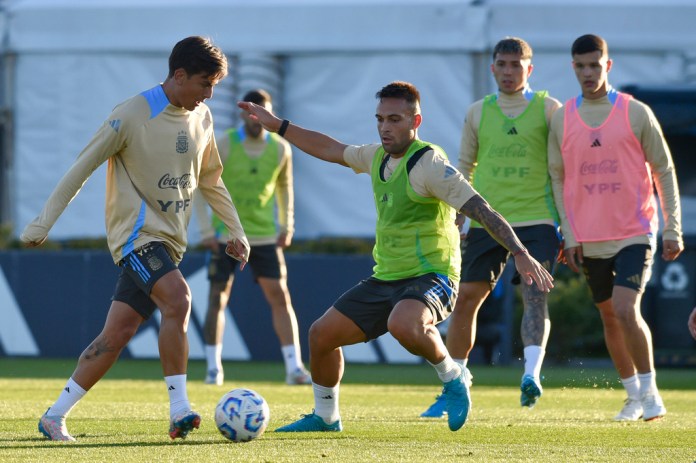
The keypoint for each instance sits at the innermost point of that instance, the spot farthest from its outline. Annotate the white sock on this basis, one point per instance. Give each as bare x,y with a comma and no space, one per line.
326,403
178,399
461,362
68,398
648,383
533,358
213,356
632,386
291,355
447,370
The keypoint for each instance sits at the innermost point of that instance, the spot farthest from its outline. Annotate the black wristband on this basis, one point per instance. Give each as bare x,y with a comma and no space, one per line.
283,127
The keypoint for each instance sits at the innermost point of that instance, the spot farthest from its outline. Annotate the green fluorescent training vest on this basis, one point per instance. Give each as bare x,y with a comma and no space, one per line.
415,235
251,183
512,171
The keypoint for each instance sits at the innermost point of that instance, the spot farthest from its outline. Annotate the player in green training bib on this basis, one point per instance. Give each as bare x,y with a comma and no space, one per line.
257,171
503,150
414,285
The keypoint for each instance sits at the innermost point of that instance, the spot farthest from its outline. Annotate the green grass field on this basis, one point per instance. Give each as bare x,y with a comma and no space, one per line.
125,417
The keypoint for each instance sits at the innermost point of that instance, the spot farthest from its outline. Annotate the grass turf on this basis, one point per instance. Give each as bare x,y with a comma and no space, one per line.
124,417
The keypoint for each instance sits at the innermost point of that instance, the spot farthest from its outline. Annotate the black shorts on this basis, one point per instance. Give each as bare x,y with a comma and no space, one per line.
267,261
369,303
484,259
629,268
140,270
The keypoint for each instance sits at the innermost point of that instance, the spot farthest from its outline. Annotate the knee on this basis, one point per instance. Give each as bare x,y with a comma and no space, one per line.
112,339
402,332
318,338
178,304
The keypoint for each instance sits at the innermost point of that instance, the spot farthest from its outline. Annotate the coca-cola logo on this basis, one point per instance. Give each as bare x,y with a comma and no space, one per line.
608,166
509,151
174,183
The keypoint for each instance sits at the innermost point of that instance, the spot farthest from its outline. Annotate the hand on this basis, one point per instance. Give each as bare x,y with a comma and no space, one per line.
532,271
463,225
238,250
33,244
261,115
32,237
692,323
560,257
671,249
573,258
283,240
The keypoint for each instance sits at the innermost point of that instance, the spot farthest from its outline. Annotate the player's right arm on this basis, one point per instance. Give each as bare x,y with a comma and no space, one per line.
572,250
317,144
106,142
469,145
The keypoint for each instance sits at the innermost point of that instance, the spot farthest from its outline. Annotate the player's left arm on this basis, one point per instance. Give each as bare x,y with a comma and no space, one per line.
441,180
529,269
658,156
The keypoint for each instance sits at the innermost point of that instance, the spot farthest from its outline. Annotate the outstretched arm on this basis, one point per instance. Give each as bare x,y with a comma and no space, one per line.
500,230
314,143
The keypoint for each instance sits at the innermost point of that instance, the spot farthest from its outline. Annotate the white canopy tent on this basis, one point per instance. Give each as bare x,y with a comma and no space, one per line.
69,62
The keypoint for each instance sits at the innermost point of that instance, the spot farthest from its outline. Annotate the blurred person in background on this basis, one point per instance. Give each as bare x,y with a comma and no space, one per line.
257,171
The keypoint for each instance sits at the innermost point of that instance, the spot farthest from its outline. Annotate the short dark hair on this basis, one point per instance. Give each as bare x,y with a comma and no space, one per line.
198,55
403,90
589,43
258,96
513,45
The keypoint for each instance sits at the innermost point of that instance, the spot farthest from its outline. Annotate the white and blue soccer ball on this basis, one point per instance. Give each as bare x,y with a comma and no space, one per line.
242,415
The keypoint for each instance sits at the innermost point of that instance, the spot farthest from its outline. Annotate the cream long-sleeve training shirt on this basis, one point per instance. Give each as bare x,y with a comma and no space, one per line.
158,155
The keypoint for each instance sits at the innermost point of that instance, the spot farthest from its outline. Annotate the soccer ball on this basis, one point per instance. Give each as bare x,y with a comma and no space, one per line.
242,415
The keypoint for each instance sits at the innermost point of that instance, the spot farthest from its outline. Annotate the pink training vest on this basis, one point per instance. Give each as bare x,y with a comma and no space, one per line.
608,187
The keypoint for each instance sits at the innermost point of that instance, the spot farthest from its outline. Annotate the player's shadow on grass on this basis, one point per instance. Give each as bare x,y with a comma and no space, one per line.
222,441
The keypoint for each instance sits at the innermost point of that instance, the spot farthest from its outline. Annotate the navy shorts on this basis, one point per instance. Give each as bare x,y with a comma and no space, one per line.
266,261
369,303
484,259
140,270
629,268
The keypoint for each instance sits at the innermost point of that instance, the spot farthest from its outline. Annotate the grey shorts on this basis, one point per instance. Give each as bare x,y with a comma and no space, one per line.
267,261
140,270
629,268
369,303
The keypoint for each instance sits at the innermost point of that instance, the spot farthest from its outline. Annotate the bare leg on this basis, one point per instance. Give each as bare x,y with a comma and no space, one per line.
461,333
614,339
536,324
326,336
172,296
636,334
412,324
282,312
121,324
214,325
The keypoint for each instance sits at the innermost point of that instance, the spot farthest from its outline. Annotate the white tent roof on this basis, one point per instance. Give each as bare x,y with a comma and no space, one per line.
75,59
276,26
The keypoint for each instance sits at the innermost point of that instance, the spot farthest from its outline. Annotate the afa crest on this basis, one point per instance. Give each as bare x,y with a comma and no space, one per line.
182,142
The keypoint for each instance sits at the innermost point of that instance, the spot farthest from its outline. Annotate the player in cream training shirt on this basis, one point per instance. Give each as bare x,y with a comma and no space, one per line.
157,154
160,148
